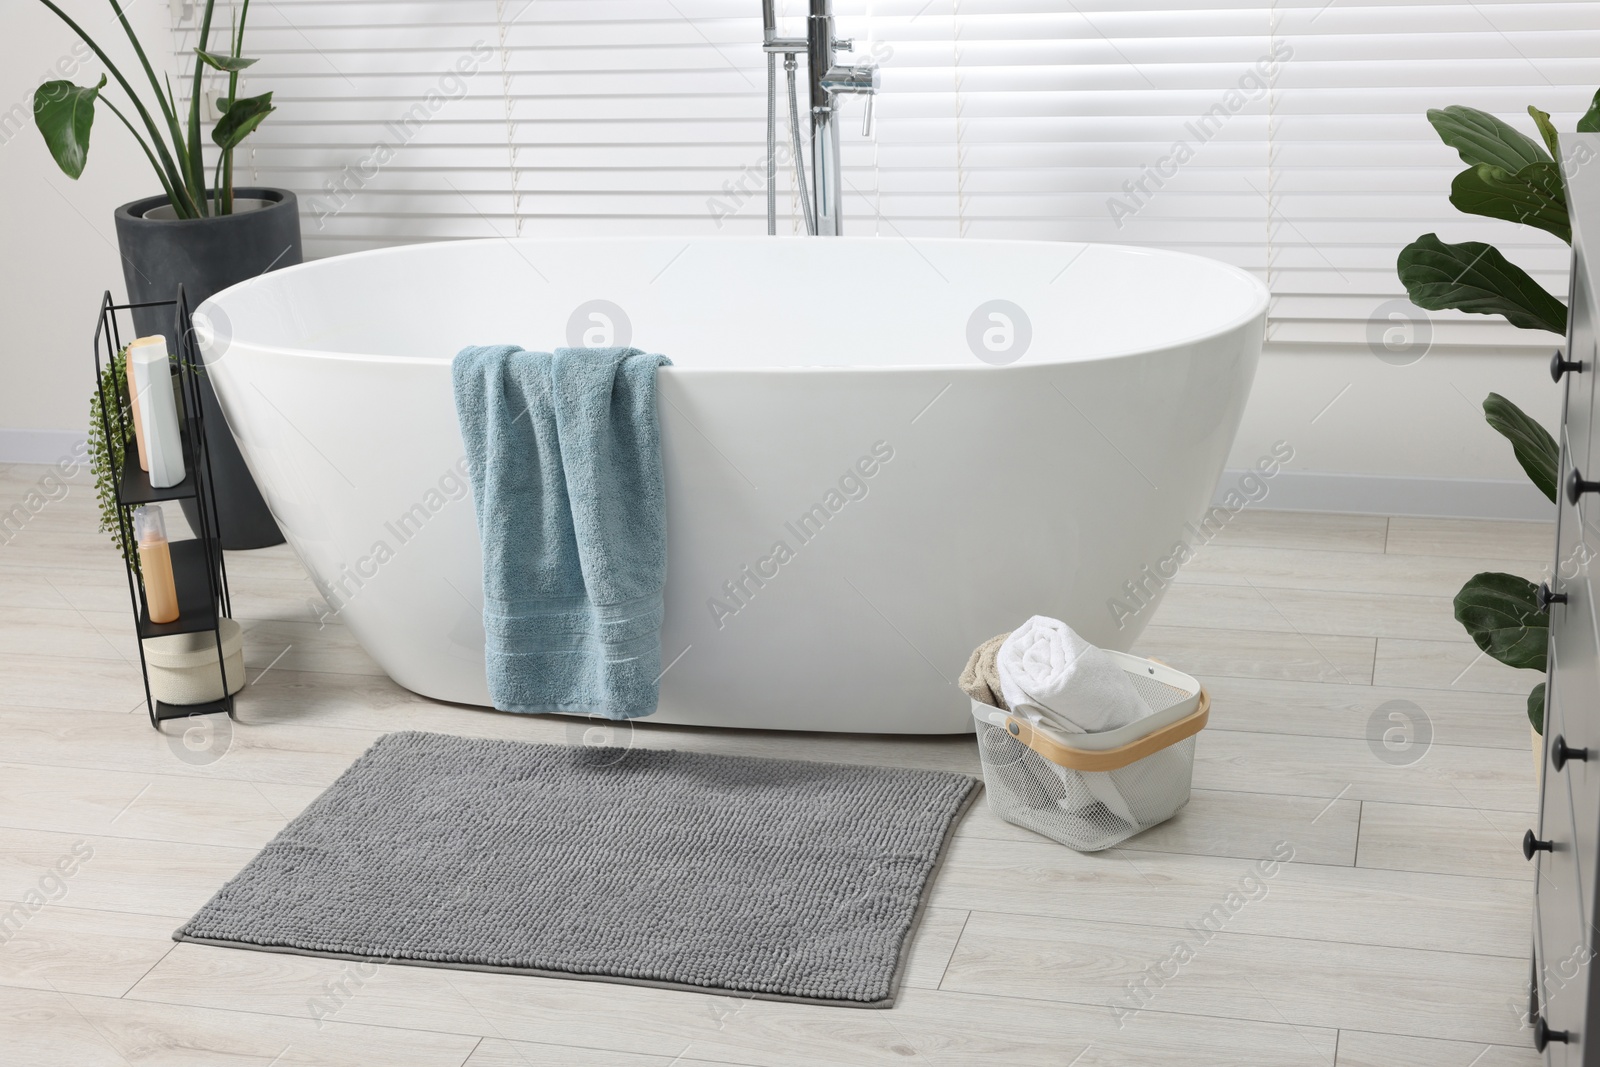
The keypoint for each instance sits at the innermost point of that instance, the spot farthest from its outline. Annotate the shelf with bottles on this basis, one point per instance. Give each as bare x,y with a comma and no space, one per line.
155,432
135,489
178,595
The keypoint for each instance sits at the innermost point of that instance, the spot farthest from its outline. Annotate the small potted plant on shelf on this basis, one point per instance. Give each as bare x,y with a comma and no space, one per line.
200,232
1511,177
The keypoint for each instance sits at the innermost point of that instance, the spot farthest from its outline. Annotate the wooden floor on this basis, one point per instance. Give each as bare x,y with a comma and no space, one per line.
1397,935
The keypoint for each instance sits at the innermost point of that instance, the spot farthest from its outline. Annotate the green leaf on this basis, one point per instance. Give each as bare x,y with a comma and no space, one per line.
1547,130
1536,708
1480,137
64,114
241,118
224,63
107,452
1531,443
1501,613
1533,196
1476,278
1590,123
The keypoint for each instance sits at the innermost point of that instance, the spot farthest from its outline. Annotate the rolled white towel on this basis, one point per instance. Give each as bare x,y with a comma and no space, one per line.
1075,686
1048,673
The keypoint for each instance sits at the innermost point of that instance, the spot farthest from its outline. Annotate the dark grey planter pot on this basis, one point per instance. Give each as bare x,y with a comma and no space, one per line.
206,256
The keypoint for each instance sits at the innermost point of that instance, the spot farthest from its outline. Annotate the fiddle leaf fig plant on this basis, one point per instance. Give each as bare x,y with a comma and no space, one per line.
1481,138
64,114
1501,612
1476,278
1531,444
1532,195
1513,178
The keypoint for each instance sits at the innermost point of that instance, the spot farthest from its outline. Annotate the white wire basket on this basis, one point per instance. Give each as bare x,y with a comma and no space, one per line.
1092,791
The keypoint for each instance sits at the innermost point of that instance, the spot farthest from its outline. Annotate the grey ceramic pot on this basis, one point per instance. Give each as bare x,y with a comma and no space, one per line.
206,256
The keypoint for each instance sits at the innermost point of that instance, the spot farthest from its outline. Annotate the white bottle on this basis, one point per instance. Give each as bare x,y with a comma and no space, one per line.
150,375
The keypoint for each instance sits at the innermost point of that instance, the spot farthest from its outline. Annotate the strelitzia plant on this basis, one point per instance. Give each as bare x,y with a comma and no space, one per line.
65,112
1511,177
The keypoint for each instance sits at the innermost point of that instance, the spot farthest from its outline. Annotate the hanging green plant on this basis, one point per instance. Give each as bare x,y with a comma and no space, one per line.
106,455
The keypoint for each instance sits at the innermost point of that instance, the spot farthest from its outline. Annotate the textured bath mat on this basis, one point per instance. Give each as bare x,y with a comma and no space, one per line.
768,878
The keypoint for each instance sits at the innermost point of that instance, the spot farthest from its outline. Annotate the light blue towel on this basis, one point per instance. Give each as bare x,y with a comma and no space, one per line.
565,452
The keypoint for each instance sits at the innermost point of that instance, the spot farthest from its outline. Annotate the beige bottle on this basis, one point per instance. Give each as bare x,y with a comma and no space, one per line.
155,564
138,423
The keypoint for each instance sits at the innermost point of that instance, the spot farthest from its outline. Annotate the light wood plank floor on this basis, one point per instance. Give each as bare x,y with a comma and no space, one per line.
1397,934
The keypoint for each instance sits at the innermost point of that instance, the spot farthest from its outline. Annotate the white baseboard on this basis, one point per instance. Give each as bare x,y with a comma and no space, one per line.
38,446
1380,494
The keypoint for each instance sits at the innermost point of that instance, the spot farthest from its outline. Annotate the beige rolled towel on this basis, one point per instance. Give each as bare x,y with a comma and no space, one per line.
980,680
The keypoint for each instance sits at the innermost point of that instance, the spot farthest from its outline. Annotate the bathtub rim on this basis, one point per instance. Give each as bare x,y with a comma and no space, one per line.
1257,309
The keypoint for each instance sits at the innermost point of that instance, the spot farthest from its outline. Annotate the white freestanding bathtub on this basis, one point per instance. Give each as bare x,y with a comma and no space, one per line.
878,452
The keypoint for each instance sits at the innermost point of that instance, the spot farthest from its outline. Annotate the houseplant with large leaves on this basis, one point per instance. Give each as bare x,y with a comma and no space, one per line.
174,145
200,232
1512,177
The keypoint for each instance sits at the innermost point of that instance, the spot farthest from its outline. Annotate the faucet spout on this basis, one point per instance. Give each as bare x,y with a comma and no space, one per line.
826,81
829,80
825,173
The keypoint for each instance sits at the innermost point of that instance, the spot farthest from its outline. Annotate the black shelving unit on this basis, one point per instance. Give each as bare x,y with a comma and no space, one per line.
198,568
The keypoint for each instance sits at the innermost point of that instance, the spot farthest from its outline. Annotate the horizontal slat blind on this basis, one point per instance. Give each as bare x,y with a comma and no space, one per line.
1287,137
1358,172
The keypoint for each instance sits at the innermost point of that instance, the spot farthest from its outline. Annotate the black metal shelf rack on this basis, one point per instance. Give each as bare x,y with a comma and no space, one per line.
198,568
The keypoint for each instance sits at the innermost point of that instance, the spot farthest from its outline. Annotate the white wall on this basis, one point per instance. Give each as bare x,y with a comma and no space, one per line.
1422,420
57,234
1346,412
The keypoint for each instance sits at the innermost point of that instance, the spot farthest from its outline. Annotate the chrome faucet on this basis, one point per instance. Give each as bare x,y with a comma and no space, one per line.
828,80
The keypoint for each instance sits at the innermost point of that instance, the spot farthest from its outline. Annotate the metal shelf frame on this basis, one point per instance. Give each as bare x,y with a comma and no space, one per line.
198,567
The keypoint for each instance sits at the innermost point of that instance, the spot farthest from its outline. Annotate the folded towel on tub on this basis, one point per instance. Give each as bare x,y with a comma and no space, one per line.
565,456
1051,675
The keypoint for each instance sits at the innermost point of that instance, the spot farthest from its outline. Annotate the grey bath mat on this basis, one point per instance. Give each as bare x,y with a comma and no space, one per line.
777,879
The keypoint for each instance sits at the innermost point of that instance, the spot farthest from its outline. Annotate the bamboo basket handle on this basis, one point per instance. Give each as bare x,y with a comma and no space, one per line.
1111,759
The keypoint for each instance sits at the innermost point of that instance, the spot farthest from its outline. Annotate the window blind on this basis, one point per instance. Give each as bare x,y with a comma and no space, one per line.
1286,137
